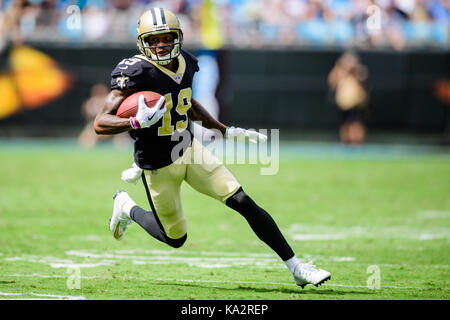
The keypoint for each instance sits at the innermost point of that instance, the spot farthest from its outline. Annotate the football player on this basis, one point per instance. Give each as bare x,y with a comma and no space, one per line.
164,67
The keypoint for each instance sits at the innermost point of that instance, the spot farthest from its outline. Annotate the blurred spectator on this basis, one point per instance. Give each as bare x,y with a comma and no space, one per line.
88,138
350,96
123,17
47,16
95,20
13,14
442,92
252,23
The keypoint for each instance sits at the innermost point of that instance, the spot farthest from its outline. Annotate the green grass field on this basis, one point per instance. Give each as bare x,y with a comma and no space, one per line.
353,214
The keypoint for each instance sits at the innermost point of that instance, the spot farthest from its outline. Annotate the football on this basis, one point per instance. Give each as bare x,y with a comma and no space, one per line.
129,106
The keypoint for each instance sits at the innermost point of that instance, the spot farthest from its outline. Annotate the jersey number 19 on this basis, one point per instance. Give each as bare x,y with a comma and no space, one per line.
184,103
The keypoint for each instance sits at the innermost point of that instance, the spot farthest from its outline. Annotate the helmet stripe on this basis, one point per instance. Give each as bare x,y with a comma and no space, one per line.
163,16
158,17
154,16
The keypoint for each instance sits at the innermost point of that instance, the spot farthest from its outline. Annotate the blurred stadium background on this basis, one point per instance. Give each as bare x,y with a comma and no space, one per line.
327,73
264,64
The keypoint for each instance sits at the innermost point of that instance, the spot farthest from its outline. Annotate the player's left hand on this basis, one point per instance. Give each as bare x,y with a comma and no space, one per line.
253,136
132,174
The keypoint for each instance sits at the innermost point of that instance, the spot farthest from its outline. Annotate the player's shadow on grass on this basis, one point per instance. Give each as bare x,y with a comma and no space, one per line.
307,290
294,290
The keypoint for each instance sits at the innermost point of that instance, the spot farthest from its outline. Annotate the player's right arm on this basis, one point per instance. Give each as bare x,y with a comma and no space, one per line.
125,80
106,121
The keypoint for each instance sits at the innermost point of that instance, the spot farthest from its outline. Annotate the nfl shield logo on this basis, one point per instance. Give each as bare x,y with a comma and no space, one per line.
177,79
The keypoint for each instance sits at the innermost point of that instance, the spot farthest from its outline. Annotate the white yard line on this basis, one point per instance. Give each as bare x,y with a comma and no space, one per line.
178,252
437,266
310,232
56,262
37,275
433,214
318,237
201,259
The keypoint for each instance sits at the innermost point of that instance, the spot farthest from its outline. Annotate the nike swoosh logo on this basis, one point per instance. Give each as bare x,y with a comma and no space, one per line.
126,67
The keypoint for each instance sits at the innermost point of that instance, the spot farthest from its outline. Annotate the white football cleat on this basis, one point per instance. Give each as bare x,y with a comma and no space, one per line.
308,274
119,221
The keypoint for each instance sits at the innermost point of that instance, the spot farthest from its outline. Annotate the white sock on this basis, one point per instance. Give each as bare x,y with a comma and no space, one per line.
292,263
129,203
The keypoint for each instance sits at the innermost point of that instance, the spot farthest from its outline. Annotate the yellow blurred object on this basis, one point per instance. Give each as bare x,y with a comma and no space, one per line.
38,78
33,80
211,29
10,101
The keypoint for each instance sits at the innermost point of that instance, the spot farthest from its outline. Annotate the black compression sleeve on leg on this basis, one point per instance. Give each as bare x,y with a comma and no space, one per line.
261,223
150,223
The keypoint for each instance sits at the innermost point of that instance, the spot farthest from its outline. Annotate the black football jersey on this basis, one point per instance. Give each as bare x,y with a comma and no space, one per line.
165,141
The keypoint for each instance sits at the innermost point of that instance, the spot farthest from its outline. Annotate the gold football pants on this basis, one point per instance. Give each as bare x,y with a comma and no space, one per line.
202,170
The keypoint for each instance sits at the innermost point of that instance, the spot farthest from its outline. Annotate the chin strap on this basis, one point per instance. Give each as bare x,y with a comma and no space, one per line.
163,62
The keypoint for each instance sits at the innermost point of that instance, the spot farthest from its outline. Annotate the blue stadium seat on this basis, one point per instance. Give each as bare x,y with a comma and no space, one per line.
132,27
71,34
341,30
268,31
313,31
441,33
417,31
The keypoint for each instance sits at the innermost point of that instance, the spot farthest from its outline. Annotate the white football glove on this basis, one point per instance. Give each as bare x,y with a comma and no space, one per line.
132,175
149,116
253,136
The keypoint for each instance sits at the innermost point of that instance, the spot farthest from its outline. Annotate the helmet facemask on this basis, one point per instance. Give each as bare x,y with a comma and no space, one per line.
146,48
